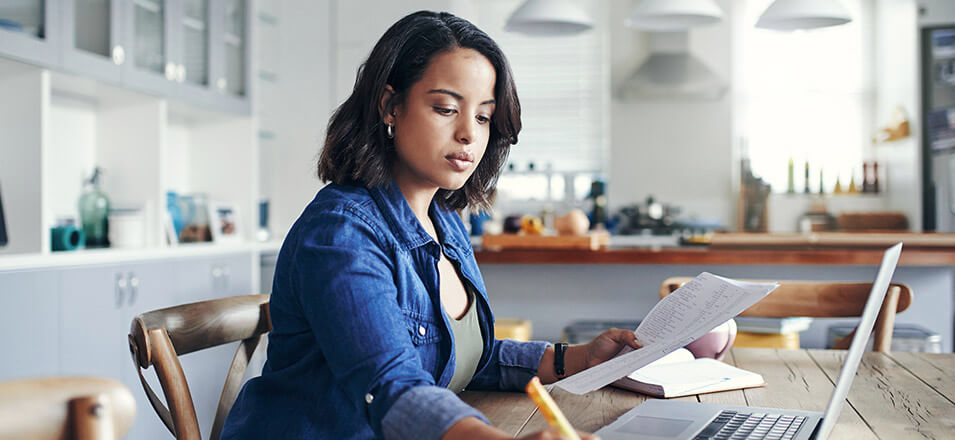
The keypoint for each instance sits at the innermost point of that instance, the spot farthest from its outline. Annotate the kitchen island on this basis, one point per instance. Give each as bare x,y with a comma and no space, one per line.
555,287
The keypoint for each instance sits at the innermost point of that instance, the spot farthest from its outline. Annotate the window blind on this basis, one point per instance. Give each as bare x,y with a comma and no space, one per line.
563,85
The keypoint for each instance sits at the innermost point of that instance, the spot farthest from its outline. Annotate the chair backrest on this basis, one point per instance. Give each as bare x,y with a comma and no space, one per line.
158,337
65,408
821,299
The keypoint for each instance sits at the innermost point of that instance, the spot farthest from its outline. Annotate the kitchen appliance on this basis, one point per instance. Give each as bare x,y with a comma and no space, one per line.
938,127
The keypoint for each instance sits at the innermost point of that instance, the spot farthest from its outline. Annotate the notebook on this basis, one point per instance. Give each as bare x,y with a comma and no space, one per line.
680,374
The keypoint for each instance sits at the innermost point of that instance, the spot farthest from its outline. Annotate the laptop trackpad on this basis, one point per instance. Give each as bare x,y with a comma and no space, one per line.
655,426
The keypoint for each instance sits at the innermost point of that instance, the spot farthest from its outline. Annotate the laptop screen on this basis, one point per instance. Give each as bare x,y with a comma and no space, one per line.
859,341
3,224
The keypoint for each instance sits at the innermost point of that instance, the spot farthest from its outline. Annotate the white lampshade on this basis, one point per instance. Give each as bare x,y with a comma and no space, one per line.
674,15
549,18
790,15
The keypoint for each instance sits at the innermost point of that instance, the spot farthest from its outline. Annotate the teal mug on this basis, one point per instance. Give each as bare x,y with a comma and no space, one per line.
66,238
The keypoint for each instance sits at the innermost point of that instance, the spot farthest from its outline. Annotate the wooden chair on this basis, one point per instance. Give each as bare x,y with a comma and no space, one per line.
81,408
157,338
825,300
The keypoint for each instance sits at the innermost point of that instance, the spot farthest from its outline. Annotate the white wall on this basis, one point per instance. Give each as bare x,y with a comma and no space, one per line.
294,108
678,151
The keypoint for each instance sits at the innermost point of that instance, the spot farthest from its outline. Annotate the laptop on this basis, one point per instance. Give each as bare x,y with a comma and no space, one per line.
667,419
3,225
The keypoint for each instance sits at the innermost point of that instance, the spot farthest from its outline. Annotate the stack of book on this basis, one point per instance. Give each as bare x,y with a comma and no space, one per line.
770,332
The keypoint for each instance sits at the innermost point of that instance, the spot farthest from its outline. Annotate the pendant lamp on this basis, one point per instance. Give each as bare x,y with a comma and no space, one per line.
790,15
549,18
674,15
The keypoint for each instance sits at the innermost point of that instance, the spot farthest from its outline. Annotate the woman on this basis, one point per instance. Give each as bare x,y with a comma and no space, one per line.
379,312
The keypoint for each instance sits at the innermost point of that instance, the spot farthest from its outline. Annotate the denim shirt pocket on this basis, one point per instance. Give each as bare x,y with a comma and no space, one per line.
425,334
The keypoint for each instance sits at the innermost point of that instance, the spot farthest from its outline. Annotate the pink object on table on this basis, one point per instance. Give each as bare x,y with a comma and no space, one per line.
715,343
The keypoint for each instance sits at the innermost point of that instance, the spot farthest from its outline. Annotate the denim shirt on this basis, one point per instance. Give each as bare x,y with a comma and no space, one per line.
360,345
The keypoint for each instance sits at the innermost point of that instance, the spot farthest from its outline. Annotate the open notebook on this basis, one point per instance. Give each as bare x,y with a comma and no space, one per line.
680,374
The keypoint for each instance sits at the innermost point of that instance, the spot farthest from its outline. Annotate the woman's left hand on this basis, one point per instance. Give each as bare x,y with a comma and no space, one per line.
605,346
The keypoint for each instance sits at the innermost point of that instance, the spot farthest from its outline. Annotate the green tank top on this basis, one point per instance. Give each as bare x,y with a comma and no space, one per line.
468,345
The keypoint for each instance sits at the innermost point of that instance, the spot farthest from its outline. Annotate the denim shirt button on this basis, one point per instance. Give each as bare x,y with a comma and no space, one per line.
421,330
369,398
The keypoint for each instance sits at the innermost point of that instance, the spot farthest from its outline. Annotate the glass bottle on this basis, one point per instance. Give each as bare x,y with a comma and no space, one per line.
806,189
791,181
94,212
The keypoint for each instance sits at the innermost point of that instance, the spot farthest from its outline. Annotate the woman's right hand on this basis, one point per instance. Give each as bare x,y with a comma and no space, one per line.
554,434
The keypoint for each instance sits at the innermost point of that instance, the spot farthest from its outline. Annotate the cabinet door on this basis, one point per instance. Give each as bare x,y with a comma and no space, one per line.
192,50
148,31
231,64
28,311
92,336
29,32
152,286
92,38
202,279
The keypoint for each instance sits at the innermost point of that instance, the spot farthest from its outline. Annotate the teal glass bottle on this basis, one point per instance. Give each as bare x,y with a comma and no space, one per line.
94,212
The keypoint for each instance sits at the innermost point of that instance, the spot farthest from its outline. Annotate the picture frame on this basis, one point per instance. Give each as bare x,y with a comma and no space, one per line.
224,222
172,238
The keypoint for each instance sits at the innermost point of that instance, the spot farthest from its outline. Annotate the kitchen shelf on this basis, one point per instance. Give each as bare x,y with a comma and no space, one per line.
59,126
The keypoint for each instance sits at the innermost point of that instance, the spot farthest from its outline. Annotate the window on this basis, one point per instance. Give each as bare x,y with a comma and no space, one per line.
564,87
808,95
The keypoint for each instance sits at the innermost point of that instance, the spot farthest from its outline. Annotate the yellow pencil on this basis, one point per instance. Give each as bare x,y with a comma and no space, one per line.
549,409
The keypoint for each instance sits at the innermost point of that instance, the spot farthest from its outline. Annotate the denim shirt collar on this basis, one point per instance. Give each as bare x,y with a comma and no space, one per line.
405,225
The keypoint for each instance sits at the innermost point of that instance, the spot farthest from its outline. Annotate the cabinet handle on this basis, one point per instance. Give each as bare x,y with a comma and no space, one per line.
180,73
120,289
171,71
133,288
221,84
119,55
216,278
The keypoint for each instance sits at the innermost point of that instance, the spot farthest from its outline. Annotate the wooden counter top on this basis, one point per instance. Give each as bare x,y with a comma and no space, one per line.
920,250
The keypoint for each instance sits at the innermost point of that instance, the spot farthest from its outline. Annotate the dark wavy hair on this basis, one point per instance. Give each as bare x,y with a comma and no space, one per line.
357,151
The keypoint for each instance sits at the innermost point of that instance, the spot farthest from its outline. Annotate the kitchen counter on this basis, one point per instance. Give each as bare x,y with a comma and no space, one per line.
553,288
858,249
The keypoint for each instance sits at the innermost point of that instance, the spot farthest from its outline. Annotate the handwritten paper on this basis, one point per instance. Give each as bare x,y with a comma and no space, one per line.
691,311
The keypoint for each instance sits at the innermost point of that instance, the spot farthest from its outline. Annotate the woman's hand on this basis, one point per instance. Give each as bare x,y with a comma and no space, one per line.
606,345
554,434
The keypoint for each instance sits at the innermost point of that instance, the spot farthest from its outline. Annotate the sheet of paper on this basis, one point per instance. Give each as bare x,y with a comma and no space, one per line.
689,312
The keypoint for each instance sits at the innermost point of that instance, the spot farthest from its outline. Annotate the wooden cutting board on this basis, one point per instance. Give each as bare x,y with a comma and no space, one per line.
594,240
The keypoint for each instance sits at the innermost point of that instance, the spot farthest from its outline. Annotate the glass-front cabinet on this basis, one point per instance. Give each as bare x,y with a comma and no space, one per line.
230,57
149,28
28,30
92,38
193,44
196,51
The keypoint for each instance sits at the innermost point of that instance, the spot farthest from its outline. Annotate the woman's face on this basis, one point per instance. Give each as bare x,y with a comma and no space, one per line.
442,126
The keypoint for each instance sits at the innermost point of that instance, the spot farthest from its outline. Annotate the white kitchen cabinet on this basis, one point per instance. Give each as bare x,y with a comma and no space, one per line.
28,31
92,39
97,306
201,279
29,313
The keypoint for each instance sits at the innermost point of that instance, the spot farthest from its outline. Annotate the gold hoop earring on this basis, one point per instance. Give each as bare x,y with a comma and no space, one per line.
390,131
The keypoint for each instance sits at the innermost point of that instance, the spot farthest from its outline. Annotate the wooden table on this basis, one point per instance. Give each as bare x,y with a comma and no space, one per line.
894,396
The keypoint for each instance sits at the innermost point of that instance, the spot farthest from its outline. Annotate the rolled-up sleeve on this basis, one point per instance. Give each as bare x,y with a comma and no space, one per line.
510,366
345,281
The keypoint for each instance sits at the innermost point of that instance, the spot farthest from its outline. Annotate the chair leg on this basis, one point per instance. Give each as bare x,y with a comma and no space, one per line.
885,323
92,418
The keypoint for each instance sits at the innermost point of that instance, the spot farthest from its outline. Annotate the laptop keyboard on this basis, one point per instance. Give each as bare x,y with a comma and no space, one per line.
732,425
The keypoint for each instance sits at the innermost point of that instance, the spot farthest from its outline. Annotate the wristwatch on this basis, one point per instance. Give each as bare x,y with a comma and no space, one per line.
559,349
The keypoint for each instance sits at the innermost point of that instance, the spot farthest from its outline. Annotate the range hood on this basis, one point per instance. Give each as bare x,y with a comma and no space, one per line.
672,72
